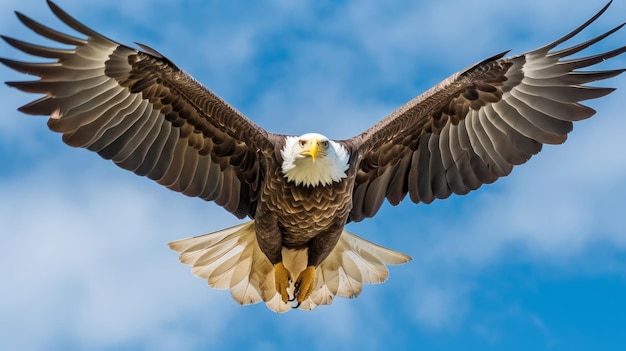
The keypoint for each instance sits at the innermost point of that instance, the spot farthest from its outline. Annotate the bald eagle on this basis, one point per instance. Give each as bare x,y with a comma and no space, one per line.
137,108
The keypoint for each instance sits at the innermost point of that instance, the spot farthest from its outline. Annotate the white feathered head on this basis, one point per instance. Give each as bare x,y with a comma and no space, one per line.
312,159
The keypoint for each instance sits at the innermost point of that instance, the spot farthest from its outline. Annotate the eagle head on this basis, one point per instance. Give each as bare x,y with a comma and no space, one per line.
312,159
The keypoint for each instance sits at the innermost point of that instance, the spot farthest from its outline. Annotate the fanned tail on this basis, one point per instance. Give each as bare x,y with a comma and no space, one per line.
231,259
352,263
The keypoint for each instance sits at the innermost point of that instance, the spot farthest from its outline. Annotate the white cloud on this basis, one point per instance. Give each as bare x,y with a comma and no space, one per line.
95,257
440,306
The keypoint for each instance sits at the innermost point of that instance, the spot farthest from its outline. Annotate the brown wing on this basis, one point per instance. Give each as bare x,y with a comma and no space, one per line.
141,111
476,125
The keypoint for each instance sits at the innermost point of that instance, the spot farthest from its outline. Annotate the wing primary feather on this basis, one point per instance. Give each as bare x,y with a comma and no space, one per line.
567,66
84,129
59,89
577,78
74,24
38,50
554,130
582,46
573,33
51,70
565,94
565,112
49,32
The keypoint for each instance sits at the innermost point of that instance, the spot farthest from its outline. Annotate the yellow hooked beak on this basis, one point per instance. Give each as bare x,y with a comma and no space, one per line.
312,149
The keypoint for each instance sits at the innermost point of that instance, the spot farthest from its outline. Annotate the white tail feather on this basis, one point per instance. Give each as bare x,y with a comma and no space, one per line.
231,259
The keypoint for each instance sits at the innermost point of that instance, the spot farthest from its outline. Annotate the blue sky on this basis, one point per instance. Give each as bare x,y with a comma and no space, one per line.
536,261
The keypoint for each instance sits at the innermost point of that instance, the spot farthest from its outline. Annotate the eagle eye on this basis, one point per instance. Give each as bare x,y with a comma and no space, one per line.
325,144
302,142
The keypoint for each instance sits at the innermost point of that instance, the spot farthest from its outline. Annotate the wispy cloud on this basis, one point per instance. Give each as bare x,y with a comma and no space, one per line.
94,259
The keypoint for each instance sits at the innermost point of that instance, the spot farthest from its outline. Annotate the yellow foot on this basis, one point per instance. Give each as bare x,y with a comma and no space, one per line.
282,279
304,284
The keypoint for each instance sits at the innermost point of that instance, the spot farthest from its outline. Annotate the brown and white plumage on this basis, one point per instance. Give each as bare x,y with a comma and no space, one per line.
140,110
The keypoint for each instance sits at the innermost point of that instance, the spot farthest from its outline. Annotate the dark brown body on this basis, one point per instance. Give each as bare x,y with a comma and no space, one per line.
297,217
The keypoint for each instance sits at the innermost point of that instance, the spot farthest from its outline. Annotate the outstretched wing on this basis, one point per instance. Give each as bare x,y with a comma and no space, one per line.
476,125
144,113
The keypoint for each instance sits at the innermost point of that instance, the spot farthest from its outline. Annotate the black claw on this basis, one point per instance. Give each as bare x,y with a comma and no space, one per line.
296,290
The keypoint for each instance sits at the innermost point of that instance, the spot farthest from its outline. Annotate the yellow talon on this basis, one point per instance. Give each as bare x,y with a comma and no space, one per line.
282,277
305,283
